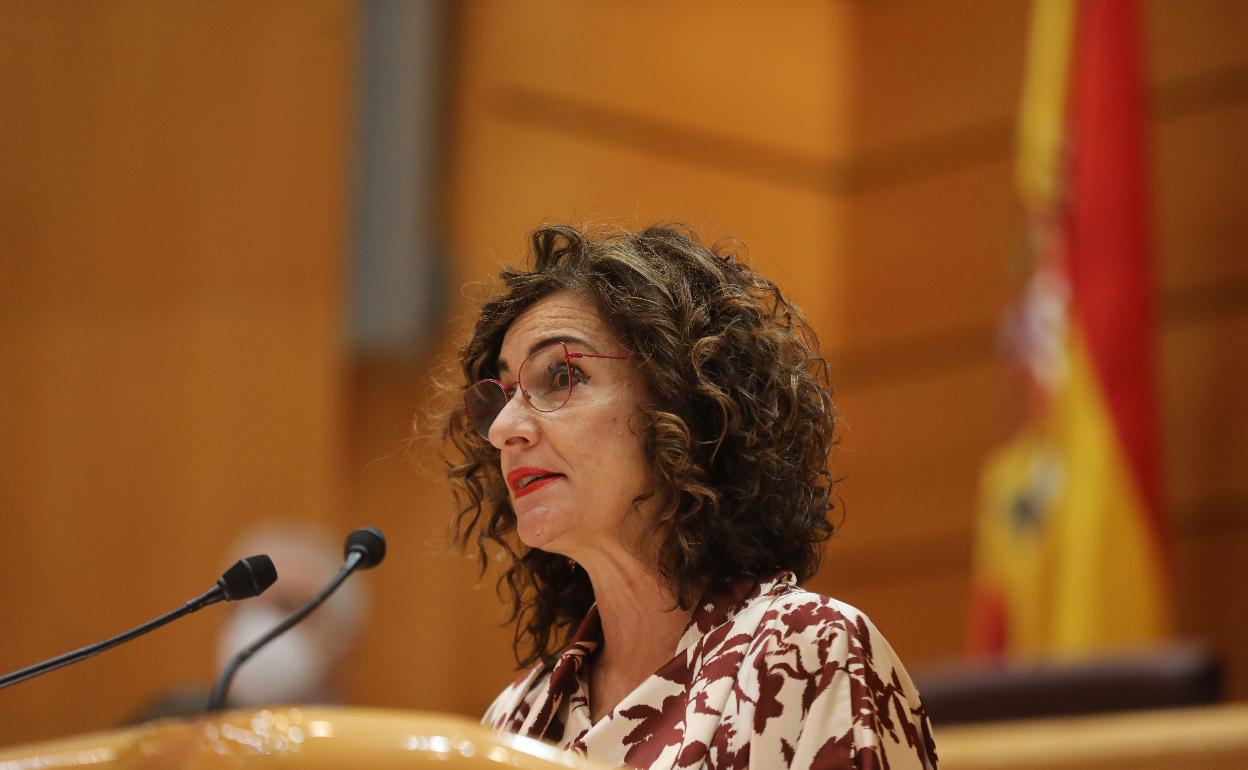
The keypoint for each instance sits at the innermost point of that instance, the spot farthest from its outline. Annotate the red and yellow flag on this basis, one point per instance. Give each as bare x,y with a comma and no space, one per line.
1071,554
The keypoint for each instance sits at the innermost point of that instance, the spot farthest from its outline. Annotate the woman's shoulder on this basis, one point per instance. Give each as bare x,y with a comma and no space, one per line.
800,608
837,629
828,663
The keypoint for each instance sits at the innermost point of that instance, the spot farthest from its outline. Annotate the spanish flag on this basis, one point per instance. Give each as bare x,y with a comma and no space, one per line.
1071,551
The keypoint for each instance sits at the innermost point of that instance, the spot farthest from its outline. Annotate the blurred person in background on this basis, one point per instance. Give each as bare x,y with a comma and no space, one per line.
303,664
644,435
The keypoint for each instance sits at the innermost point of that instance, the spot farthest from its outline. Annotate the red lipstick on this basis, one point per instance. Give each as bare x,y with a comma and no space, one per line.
529,479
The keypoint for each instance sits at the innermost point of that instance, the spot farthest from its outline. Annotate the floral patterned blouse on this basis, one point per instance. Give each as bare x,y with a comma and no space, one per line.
767,675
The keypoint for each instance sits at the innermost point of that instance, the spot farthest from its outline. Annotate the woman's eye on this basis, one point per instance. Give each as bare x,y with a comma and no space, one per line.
557,377
575,373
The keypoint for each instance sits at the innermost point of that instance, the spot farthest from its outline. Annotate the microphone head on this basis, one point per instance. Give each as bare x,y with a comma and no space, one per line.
369,543
248,577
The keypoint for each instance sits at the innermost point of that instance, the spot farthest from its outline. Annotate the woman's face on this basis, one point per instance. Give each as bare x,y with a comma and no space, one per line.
588,461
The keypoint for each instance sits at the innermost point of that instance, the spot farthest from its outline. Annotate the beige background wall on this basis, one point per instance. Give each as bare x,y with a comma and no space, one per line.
172,197
173,222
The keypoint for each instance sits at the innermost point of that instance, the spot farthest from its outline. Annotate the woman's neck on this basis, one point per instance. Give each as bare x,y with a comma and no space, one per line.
641,626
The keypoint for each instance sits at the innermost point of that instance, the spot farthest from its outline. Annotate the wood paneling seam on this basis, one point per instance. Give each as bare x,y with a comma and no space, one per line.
904,163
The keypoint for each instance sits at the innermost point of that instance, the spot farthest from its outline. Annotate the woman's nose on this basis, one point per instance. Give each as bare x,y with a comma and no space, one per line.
514,423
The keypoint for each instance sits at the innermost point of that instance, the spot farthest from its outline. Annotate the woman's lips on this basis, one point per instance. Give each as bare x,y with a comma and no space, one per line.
536,485
516,478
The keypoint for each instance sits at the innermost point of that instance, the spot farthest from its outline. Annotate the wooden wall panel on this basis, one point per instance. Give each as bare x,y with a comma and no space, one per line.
1200,199
770,76
696,155
929,261
1191,39
1210,572
936,79
1205,428
557,178
909,455
171,220
1198,56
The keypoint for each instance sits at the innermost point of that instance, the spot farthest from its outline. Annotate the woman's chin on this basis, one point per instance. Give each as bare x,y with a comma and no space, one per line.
534,527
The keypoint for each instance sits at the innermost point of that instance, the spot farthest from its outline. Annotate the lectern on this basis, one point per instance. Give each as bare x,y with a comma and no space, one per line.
302,738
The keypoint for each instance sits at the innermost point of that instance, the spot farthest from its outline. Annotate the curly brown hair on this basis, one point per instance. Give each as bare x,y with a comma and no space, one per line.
737,429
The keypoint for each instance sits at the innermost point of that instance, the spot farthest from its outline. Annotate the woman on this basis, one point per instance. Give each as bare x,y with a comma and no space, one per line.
644,434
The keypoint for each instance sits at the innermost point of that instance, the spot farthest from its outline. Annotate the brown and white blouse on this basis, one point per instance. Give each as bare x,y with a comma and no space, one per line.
767,675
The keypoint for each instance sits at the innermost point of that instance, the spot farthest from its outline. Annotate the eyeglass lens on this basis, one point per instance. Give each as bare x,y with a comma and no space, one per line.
545,378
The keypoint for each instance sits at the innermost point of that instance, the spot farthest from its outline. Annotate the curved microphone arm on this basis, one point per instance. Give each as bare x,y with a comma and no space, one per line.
248,577
91,650
216,701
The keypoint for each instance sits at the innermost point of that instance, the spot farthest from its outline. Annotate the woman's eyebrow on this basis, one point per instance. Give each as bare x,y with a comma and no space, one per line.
570,339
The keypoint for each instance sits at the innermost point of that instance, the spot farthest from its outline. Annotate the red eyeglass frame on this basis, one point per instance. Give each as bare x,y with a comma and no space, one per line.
568,356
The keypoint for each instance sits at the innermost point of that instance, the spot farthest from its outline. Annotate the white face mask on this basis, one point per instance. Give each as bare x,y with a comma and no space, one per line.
292,668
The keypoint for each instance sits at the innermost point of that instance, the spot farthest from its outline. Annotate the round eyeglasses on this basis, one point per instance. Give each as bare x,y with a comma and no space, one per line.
546,378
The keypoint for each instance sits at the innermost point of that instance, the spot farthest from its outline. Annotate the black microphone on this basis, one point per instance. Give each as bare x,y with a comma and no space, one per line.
364,549
248,577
